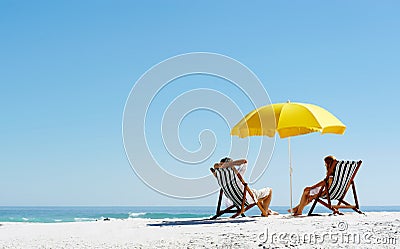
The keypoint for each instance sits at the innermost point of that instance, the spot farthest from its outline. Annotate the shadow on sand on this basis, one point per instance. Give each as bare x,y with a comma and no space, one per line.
199,222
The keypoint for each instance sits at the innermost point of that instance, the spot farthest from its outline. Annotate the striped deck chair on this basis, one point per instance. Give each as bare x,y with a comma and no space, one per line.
235,190
343,174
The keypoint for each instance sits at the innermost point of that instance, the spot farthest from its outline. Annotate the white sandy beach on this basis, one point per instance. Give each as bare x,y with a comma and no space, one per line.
352,230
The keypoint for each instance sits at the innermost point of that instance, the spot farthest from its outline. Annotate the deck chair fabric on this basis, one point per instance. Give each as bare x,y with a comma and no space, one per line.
343,176
232,188
236,189
344,170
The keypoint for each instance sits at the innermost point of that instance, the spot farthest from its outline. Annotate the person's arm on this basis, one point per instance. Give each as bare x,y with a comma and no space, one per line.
319,184
242,169
239,162
322,183
230,164
330,169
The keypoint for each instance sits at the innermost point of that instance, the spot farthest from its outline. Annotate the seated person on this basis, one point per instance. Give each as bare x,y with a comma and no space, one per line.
263,195
310,193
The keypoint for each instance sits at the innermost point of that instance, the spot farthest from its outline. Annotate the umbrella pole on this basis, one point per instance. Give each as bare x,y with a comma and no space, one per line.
290,175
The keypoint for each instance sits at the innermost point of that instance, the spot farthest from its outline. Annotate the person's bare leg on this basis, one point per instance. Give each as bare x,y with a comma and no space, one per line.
306,198
265,212
265,201
294,210
270,211
305,194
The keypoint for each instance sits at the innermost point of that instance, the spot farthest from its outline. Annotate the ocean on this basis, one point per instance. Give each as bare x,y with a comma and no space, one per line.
54,214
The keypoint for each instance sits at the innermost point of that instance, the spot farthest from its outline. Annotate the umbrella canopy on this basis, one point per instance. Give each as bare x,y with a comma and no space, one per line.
288,119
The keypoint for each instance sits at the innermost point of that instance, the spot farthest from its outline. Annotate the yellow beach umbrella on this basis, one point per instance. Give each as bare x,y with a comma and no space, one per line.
288,119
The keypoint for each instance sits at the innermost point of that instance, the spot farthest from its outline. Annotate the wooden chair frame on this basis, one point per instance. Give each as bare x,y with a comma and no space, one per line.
341,202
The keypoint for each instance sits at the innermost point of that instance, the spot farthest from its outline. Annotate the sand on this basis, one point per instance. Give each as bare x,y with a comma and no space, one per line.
351,230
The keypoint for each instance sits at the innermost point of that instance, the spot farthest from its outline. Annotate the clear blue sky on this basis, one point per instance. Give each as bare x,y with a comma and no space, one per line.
67,67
